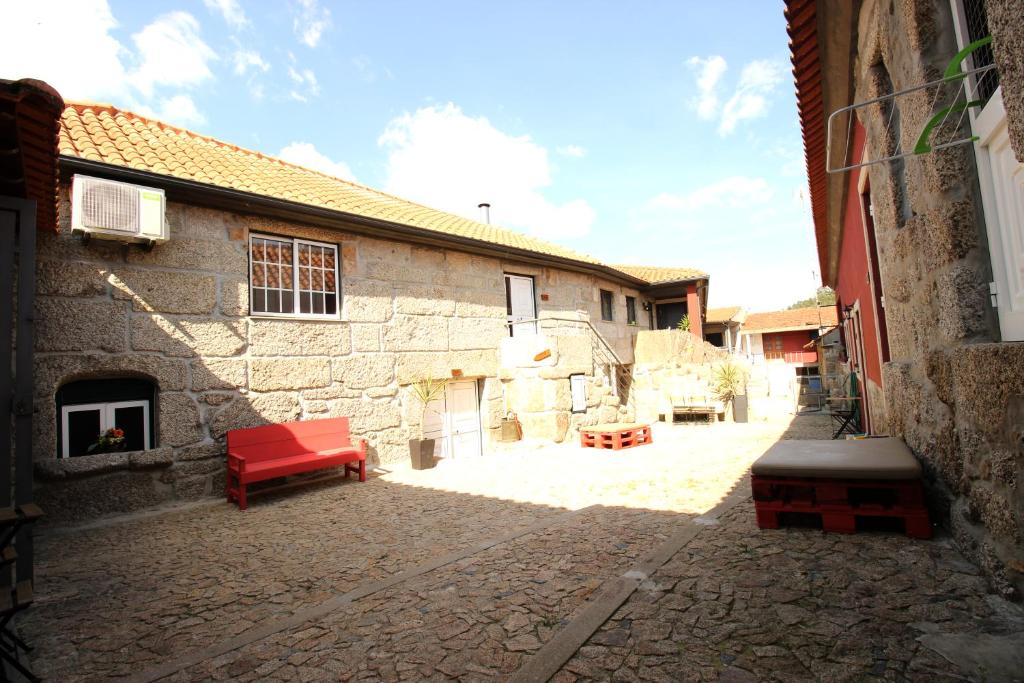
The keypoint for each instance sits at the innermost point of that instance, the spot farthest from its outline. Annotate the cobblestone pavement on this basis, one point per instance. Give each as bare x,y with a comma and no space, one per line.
466,570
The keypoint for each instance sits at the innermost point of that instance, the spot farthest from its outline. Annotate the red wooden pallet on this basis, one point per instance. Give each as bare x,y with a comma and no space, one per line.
616,440
840,501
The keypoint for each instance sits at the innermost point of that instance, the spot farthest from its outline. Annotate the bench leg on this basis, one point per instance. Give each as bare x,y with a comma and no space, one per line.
766,519
362,470
242,502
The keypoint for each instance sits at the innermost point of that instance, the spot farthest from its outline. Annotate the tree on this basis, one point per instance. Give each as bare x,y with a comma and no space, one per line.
823,297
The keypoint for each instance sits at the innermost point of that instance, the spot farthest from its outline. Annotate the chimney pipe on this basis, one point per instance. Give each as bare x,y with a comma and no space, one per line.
485,212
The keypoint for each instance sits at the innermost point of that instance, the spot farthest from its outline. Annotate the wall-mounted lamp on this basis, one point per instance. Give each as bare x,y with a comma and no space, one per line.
647,305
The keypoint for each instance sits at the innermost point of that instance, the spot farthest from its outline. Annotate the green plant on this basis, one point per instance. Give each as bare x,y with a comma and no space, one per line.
728,381
684,323
425,391
109,441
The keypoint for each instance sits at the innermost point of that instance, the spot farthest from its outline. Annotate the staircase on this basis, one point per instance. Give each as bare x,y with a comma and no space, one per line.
603,355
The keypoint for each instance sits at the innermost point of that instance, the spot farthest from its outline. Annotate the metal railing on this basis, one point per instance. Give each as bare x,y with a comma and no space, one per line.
602,351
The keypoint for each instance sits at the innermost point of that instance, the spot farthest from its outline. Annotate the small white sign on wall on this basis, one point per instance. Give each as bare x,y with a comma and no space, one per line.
578,387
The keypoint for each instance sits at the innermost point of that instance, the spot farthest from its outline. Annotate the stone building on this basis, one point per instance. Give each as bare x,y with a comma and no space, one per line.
924,250
285,294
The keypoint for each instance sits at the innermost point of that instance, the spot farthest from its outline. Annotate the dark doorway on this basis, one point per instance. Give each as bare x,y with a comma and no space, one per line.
669,315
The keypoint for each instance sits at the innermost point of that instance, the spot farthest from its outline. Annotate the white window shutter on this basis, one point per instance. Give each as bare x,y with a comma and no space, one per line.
1002,186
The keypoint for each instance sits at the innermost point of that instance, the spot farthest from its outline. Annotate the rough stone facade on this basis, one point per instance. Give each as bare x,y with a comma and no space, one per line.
953,391
178,315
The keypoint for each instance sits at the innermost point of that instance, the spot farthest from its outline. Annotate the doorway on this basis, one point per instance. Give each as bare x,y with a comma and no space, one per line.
453,421
670,314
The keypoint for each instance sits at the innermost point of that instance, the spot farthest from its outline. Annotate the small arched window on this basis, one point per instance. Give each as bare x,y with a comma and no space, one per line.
105,415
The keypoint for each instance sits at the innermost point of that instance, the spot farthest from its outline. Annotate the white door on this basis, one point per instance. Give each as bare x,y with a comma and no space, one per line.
464,419
521,304
453,421
1002,184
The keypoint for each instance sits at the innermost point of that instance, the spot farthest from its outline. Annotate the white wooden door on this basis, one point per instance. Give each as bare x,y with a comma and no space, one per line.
521,304
1002,185
453,421
464,419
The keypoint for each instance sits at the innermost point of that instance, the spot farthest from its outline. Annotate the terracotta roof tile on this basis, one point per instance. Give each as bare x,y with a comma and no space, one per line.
794,319
723,315
101,132
658,274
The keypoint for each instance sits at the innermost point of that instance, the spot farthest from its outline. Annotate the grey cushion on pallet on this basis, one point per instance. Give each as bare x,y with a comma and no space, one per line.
885,458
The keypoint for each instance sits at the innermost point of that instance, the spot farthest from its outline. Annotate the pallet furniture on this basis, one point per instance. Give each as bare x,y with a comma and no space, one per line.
694,415
615,435
840,481
14,599
274,451
692,402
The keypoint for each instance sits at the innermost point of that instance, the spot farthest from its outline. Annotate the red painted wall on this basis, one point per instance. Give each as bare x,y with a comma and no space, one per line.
693,310
793,350
852,284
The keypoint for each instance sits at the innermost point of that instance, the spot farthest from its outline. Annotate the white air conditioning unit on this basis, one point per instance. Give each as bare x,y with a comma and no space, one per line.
111,210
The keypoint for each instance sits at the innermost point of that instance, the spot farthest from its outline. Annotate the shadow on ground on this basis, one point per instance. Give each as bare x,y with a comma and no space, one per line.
389,580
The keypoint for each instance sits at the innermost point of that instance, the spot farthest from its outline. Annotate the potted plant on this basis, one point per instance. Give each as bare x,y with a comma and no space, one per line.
110,441
728,387
421,450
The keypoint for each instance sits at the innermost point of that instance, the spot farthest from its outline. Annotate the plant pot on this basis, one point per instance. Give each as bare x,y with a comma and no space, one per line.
421,454
739,408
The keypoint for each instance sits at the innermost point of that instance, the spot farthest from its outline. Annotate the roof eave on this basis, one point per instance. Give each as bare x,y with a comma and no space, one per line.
190,191
822,45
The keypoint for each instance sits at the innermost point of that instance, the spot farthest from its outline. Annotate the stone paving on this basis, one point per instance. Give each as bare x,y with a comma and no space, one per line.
740,604
468,570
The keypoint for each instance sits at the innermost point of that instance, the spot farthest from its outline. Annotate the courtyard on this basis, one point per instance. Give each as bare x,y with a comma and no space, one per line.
539,562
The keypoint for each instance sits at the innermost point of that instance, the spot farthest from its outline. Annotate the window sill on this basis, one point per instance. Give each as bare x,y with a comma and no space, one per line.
89,465
298,318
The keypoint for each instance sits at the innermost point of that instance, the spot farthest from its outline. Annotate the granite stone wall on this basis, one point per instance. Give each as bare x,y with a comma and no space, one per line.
178,316
953,391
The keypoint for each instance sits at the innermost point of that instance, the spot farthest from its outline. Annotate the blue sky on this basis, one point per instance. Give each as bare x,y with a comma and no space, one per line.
659,133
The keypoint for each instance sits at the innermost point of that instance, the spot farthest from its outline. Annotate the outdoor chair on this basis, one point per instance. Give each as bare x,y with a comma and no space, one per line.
846,410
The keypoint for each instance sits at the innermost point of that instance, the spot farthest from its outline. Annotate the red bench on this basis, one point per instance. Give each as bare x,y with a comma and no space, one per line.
273,451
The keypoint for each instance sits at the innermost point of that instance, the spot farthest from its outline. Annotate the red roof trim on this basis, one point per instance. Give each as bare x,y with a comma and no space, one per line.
802,27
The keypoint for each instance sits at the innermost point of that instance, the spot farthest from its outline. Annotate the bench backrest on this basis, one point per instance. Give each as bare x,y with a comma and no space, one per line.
270,442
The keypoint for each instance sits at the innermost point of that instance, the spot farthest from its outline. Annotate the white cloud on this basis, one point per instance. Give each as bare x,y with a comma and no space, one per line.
180,110
249,59
443,158
709,72
735,191
306,154
67,44
749,99
171,53
757,80
232,12
306,85
572,151
310,21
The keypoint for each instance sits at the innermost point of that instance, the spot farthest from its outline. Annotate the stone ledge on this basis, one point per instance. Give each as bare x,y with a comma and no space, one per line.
71,468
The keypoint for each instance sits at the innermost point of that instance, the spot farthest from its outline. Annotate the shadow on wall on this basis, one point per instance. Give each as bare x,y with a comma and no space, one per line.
299,549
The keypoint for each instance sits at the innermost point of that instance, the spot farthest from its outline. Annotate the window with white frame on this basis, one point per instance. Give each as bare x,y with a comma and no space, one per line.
999,174
104,416
293,277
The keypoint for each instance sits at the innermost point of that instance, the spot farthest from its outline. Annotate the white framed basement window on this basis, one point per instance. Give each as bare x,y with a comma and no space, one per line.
82,424
293,278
